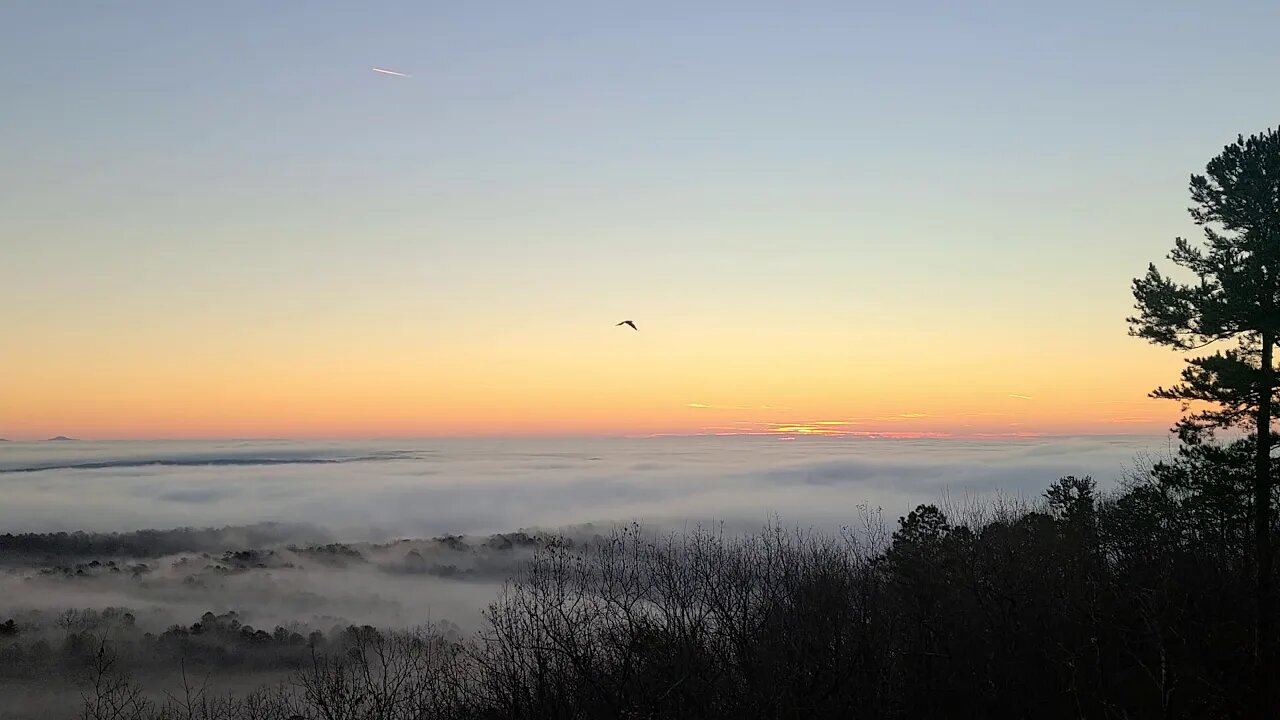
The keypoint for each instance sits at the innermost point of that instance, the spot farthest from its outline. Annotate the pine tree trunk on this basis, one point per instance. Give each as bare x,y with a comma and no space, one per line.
1265,635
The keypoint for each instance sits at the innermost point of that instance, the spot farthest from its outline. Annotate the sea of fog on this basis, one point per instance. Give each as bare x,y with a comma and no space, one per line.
374,491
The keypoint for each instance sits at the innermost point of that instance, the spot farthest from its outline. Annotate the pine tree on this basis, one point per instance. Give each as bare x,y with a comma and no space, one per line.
1236,296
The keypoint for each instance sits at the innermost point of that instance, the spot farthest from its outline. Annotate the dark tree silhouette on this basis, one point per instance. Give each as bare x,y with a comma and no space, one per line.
1236,295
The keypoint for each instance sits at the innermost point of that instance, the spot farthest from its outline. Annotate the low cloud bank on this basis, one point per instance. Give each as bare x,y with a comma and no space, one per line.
376,491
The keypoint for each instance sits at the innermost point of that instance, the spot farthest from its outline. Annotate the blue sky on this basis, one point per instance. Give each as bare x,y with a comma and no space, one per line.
1000,168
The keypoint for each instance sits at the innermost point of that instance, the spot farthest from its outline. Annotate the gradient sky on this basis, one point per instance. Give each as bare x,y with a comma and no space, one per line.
216,220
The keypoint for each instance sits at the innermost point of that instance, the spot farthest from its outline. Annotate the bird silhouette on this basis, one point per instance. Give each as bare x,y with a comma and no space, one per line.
628,322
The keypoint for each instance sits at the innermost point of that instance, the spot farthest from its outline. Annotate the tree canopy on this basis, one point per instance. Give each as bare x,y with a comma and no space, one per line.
1236,296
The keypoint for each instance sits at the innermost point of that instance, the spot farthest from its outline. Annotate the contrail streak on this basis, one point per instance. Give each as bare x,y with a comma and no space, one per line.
390,72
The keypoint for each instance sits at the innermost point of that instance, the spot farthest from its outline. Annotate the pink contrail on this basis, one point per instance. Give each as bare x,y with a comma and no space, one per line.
390,72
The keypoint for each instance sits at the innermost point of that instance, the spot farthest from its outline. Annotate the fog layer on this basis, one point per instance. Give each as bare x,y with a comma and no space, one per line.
377,491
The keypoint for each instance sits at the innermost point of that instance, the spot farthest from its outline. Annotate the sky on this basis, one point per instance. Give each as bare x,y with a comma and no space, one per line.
909,218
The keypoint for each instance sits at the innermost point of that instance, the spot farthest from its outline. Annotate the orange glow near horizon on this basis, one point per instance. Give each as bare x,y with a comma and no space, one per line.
369,375
358,409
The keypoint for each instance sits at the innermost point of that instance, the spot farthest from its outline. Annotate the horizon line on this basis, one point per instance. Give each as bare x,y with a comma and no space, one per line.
860,435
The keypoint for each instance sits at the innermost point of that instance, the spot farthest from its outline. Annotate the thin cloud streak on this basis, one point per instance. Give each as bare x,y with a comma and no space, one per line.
705,406
1146,402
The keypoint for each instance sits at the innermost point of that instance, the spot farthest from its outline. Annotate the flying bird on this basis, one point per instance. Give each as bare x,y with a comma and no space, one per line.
628,322
384,71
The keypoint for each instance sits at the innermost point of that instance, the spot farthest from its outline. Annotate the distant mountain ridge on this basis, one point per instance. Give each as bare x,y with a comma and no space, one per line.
60,438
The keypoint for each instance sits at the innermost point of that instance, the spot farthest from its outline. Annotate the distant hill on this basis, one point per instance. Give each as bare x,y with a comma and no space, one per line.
60,438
